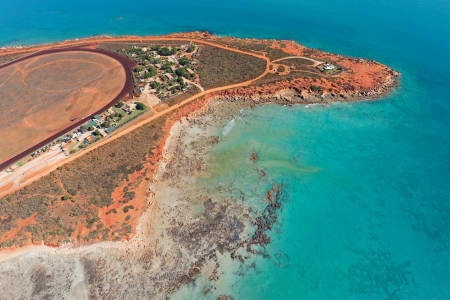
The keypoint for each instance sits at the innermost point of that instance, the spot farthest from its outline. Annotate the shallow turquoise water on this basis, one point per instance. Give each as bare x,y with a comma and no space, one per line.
367,211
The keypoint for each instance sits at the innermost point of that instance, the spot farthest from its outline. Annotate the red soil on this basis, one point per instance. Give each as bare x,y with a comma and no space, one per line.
49,92
5,187
362,77
138,181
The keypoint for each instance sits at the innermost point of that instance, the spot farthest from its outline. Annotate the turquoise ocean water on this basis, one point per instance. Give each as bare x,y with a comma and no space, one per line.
366,211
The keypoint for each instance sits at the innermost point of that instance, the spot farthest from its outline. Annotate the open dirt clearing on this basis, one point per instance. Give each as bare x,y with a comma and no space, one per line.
43,95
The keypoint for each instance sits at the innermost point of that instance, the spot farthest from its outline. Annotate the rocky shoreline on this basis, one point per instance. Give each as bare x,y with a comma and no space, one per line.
284,81
186,227
180,235
289,94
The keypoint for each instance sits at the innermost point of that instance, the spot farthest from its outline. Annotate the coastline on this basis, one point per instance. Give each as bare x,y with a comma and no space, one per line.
367,214
162,228
158,237
156,242
287,97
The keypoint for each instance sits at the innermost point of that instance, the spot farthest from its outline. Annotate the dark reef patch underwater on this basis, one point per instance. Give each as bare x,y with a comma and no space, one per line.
368,211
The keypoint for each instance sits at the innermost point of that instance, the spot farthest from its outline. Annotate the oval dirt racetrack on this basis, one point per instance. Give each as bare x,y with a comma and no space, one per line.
46,94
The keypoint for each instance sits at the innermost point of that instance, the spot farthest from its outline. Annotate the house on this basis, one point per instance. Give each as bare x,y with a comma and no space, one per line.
102,133
110,129
168,76
91,123
328,67
89,139
98,120
127,108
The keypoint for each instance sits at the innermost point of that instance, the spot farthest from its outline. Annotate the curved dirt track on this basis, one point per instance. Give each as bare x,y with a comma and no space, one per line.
316,62
42,86
139,122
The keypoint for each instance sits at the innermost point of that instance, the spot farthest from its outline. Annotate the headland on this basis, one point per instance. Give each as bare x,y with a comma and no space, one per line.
130,199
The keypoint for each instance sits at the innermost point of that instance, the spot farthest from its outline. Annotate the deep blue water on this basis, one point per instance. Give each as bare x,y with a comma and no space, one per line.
367,208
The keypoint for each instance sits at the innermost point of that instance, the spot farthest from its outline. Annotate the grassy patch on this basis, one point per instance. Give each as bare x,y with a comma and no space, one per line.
219,67
91,179
273,78
298,63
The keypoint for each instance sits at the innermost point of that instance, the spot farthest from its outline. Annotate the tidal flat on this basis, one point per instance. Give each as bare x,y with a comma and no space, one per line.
186,228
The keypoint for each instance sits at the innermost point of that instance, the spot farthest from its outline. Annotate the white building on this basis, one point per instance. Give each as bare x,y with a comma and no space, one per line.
328,67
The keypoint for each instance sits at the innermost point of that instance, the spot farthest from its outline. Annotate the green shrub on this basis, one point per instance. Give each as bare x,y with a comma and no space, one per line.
191,48
140,106
127,208
166,51
181,72
184,61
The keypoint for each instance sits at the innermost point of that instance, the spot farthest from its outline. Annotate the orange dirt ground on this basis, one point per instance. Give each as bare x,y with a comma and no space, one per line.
42,95
359,78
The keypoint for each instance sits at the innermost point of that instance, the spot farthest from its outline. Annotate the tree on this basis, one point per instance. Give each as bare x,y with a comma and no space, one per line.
191,48
181,82
166,51
119,104
140,106
155,84
166,67
138,69
151,71
96,133
64,197
184,61
181,72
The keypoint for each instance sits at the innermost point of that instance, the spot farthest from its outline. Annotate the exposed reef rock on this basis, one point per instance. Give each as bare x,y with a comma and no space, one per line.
181,227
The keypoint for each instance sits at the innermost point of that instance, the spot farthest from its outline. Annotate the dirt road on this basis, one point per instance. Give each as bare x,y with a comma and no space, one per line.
316,62
7,188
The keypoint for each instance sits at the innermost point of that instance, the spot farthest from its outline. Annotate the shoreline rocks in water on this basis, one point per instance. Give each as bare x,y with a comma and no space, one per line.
355,79
181,234
253,156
